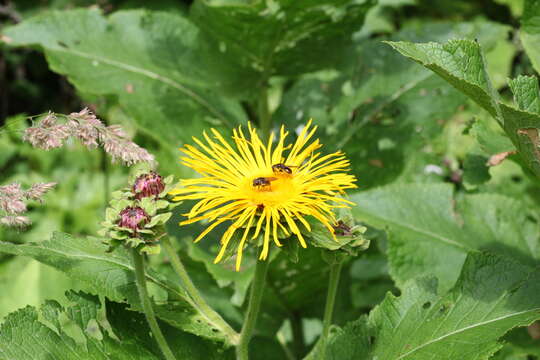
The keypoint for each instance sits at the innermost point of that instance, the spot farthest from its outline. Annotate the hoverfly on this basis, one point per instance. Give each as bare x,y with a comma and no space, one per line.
263,183
282,168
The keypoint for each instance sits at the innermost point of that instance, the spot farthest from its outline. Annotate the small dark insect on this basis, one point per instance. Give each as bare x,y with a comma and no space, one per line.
342,229
282,168
263,182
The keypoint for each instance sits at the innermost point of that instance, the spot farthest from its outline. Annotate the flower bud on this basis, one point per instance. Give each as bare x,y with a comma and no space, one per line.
148,185
133,217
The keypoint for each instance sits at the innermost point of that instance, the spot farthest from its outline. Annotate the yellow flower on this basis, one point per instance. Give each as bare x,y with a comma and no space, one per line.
240,184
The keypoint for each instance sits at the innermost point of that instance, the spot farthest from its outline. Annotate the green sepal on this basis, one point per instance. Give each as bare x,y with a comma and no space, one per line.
133,242
120,204
118,235
168,180
174,204
103,232
159,219
149,205
111,215
161,204
150,249
120,194
145,231
113,244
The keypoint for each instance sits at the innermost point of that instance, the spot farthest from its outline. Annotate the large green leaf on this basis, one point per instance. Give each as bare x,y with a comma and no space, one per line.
379,108
76,332
132,326
461,63
153,62
492,296
112,275
280,37
24,336
431,232
29,282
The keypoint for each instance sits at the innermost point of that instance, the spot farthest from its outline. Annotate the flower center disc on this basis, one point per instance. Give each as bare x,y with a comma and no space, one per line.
281,189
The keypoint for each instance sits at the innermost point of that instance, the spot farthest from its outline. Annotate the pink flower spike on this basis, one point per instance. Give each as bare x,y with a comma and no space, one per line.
37,191
12,205
47,134
11,190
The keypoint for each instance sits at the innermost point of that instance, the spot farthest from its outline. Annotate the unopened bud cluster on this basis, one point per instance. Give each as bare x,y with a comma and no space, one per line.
137,214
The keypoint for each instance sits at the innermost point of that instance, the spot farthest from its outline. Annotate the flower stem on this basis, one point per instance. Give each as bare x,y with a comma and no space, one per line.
138,263
197,300
297,334
333,281
265,118
106,180
255,298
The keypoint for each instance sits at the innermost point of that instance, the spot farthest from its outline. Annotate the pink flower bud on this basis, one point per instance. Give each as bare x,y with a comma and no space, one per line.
133,217
15,221
11,190
148,185
47,134
12,206
37,191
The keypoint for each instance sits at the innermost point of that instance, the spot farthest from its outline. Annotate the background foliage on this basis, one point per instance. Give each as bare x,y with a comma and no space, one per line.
452,271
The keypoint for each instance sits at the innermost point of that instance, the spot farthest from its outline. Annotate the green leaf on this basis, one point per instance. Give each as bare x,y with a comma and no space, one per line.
29,282
461,63
493,295
24,336
435,238
521,342
490,137
151,61
132,327
76,331
353,341
530,31
279,37
475,170
112,275
525,90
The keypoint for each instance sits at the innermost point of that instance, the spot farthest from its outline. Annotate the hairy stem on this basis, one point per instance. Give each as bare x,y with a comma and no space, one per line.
198,301
255,298
333,281
138,263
